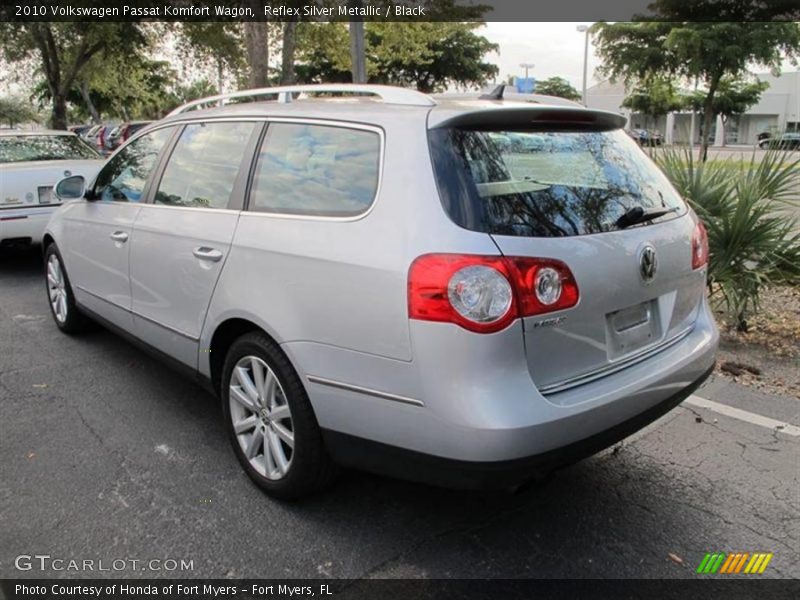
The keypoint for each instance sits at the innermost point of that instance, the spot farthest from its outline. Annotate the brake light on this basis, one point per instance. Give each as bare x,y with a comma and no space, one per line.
485,294
699,246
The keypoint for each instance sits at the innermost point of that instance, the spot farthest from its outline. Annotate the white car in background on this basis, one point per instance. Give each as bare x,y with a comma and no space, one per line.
31,162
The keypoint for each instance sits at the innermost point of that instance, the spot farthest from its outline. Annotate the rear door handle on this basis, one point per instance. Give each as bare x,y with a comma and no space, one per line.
206,253
119,236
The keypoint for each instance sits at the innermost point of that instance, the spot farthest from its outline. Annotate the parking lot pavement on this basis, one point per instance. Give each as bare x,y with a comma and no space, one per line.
106,454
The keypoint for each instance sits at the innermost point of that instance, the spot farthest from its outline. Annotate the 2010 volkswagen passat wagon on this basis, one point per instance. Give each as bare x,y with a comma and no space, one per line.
466,292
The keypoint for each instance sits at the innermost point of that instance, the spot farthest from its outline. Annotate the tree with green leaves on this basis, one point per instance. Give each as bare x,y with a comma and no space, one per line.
735,96
557,86
218,46
63,51
704,51
14,111
653,98
425,55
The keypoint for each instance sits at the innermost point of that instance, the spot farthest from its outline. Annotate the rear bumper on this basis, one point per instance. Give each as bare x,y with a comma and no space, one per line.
376,457
467,405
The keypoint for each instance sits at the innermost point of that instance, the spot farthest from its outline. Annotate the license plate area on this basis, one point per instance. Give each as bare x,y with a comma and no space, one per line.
631,329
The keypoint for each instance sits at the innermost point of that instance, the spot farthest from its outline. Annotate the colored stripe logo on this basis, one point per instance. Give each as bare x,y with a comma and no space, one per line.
735,562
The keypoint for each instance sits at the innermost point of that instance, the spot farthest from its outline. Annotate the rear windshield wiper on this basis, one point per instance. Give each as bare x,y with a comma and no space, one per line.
637,214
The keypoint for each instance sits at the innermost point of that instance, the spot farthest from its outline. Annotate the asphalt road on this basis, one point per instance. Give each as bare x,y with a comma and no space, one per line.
106,454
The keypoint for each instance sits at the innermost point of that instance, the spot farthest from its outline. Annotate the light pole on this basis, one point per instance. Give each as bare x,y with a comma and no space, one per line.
526,66
585,30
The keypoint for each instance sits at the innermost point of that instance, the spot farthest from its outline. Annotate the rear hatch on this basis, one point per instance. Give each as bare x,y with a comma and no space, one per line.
571,185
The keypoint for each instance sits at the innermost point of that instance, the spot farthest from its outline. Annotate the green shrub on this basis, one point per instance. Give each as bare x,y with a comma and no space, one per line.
752,241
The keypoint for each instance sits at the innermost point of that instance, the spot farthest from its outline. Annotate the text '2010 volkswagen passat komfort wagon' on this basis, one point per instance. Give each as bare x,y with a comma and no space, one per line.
460,291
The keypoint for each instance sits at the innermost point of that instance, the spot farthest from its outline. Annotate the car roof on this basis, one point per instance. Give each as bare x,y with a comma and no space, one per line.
366,110
380,104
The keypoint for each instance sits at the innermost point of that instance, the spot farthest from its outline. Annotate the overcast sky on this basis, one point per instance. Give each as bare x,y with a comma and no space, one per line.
555,49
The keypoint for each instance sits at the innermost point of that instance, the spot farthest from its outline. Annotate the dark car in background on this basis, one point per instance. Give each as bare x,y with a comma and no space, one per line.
784,141
646,137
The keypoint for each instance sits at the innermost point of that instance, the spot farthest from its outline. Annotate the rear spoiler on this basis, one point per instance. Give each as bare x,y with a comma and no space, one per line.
525,118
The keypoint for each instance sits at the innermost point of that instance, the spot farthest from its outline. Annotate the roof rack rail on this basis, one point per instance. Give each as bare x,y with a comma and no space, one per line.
387,93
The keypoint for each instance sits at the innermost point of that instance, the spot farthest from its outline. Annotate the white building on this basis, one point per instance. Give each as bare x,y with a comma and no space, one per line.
778,110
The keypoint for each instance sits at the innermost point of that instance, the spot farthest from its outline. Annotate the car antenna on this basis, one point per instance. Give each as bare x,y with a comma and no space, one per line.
495,94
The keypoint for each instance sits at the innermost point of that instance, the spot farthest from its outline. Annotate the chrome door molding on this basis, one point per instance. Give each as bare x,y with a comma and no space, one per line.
363,390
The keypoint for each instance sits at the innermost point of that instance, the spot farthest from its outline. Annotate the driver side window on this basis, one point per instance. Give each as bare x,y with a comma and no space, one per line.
124,177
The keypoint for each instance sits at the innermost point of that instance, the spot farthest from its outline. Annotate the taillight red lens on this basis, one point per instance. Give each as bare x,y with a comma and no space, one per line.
699,246
536,298
434,278
486,293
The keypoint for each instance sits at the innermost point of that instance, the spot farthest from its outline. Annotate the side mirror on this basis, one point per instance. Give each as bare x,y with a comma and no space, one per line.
71,188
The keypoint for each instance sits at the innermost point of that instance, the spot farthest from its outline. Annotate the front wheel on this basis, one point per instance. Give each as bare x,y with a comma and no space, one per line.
59,294
270,420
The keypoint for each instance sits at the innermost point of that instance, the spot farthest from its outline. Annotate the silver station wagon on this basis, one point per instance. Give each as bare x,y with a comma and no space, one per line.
463,291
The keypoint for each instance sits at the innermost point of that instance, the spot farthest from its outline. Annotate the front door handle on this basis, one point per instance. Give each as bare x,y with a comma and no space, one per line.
206,253
119,236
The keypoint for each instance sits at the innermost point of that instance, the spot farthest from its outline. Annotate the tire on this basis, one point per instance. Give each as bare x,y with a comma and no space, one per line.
61,300
270,421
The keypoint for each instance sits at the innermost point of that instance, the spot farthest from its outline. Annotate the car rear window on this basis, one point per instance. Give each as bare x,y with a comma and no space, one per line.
542,184
29,148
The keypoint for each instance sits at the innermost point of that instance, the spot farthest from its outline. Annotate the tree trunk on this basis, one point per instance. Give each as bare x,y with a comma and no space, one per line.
58,119
708,117
357,48
287,52
84,88
257,43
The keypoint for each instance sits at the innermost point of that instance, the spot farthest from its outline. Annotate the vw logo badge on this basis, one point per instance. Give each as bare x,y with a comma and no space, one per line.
648,263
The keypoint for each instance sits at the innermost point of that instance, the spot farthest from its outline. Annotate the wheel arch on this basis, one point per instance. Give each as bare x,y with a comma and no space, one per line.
225,333
47,239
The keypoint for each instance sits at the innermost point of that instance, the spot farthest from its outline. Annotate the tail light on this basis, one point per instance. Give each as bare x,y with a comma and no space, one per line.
485,294
699,246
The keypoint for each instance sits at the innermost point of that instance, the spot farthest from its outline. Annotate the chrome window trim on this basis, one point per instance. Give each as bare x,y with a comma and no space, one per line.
191,208
298,120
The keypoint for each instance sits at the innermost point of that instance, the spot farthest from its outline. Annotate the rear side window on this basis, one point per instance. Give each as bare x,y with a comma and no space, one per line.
316,170
542,184
204,164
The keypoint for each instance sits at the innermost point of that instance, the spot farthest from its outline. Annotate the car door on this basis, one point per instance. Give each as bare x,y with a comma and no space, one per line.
96,236
182,236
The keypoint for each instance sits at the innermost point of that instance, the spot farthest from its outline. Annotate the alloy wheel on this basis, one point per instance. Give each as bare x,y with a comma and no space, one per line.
261,417
57,289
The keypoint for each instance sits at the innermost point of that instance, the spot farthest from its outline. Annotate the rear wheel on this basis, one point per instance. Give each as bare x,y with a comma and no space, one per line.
59,294
270,420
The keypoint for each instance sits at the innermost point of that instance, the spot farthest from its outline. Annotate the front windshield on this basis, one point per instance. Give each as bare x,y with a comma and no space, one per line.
30,148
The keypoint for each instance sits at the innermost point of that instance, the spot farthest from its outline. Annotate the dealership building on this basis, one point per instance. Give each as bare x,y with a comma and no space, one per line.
778,110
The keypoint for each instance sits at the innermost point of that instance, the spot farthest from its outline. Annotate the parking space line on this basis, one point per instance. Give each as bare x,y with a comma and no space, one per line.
743,415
